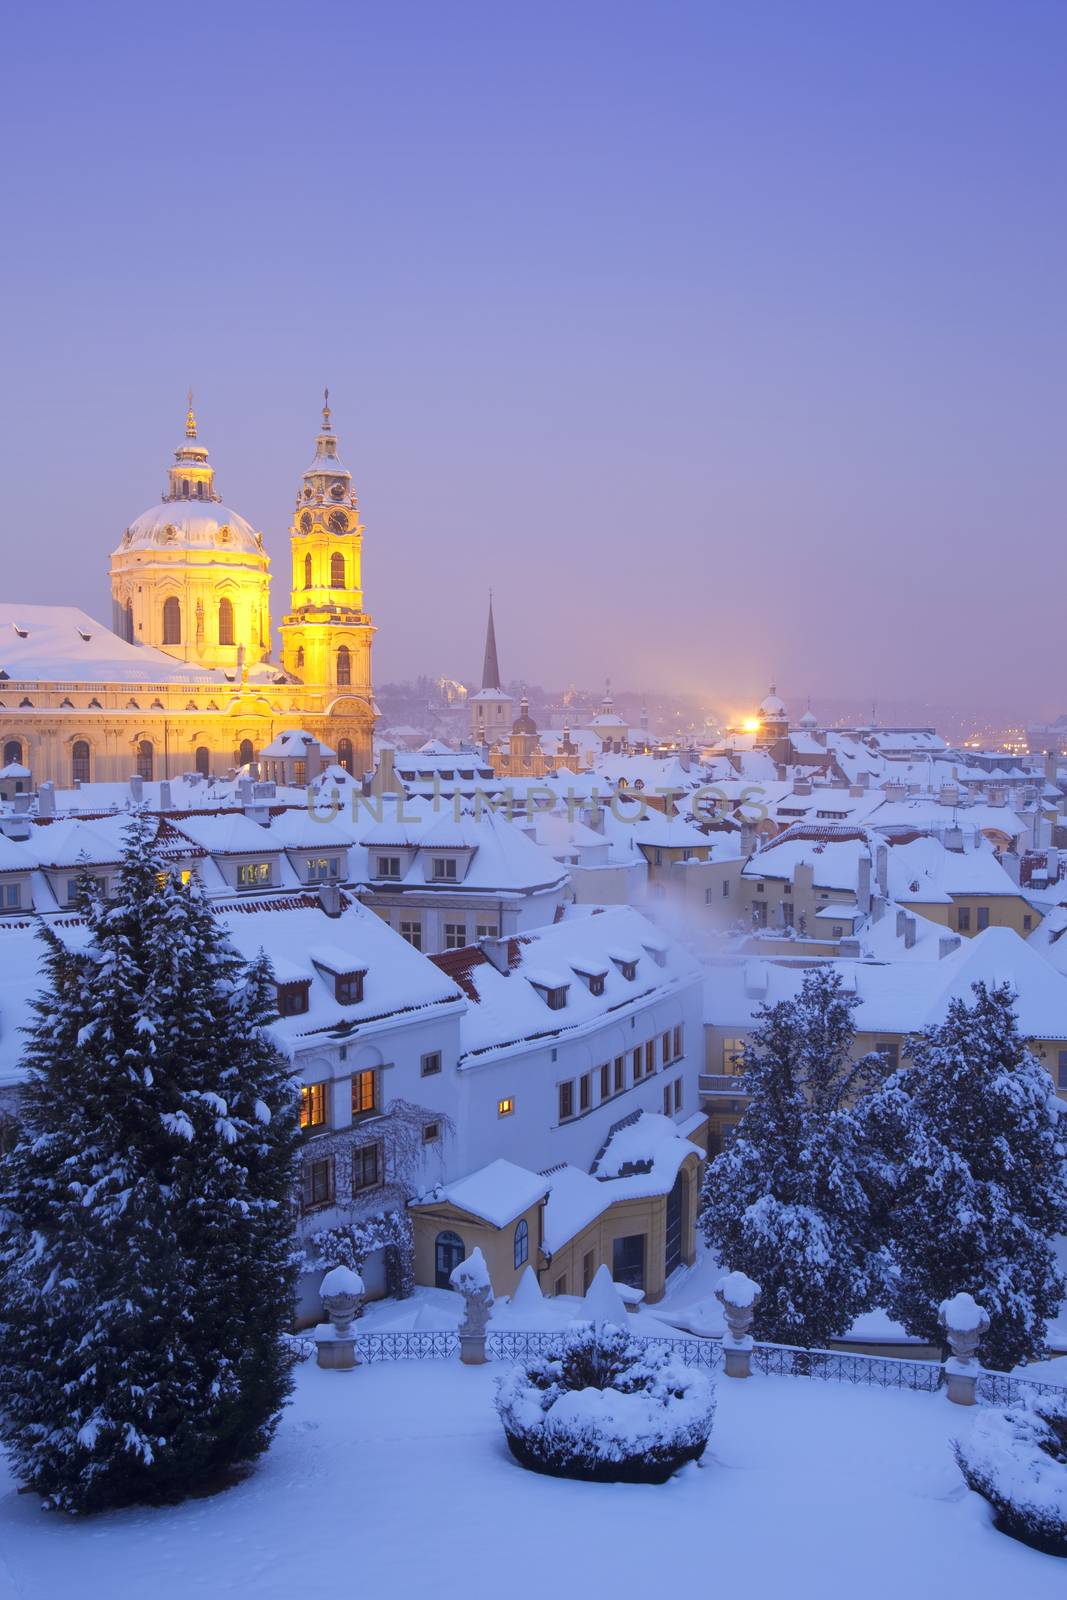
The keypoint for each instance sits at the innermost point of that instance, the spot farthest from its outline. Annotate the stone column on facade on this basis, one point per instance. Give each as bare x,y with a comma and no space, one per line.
737,1294
471,1280
341,1291
964,1322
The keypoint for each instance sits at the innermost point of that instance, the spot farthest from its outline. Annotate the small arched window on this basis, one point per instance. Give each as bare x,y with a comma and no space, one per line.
172,621
202,760
337,570
246,754
344,754
79,761
344,664
225,621
13,753
307,572
145,759
522,1243
300,655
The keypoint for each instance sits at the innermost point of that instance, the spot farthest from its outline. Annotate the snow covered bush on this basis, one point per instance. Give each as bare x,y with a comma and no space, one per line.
788,1201
1017,1460
975,1153
147,1255
604,1407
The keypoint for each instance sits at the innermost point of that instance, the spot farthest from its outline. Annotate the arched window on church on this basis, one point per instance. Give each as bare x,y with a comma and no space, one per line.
300,656
129,622
172,620
79,761
337,570
344,754
145,758
225,621
246,754
307,572
13,753
202,760
344,664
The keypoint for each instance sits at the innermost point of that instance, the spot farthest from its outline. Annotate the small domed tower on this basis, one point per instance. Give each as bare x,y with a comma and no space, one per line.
326,636
773,717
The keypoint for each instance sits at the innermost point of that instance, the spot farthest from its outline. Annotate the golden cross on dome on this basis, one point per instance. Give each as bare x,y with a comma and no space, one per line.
326,408
190,418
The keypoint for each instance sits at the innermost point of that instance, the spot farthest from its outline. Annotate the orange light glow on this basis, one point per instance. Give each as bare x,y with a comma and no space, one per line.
750,725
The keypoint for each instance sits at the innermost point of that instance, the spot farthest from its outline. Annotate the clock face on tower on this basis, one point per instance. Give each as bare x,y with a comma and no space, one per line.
338,522
306,521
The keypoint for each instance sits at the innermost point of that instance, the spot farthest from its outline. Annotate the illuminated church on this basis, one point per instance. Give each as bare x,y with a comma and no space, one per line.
184,680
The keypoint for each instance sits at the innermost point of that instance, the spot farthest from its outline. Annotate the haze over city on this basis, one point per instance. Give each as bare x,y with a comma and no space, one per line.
726,343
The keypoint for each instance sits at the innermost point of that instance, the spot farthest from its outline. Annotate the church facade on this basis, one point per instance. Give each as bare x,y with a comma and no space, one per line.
184,680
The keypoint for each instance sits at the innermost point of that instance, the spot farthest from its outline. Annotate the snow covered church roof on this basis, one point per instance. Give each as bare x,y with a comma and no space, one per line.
54,644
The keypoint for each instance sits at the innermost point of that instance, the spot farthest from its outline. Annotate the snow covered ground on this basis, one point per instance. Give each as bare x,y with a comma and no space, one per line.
395,1479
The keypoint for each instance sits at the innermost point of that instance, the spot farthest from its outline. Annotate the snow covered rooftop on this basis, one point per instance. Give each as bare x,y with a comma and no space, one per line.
51,644
498,1193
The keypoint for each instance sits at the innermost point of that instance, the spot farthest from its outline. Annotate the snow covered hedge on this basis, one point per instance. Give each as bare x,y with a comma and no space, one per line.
603,1407
1017,1460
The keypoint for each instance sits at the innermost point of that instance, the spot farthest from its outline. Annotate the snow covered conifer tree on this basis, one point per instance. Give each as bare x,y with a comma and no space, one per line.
786,1201
147,1260
977,1137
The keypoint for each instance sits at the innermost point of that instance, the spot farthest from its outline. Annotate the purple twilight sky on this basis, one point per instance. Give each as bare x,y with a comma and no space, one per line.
725,340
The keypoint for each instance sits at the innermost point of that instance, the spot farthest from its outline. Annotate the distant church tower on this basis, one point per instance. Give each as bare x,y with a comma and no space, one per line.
491,706
326,636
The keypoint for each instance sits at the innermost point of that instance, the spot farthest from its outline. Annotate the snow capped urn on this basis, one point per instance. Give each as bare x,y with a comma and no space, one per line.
737,1294
964,1322
471,1280
340,1291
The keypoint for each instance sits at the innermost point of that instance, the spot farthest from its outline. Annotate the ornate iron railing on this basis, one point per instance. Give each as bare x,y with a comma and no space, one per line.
1003,1389
407,1345
843,1366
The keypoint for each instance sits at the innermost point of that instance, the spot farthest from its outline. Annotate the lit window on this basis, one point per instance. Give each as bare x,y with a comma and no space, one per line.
252,873
733,1051
504,1108
313,1097
364,1098
323,868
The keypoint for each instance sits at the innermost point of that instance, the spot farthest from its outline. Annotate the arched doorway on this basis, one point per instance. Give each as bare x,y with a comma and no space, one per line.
79,761
676,1221
172,621
344,754
225,621
202,760
13,753
145,759
448,1253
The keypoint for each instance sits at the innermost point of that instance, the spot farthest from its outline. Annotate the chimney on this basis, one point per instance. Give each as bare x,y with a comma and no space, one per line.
877,907
46,799
748,838
385,780
902,917
881,869
863,884
245,790
312,759
164,795
136,789
803,786
1052,761
20,803
497,952
330,899
911,928
946,944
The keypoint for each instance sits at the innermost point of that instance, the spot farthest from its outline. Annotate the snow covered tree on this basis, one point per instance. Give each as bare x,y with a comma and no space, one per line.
147,1255
977,1143
786,1202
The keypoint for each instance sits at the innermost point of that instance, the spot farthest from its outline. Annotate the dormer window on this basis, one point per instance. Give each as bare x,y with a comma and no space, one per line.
252,874
388,867
594,980
322,869
556,999
444,868
348,988
293,997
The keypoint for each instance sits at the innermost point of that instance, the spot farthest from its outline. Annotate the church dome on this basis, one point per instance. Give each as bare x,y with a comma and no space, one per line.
191,515
524,723
772,708
809,720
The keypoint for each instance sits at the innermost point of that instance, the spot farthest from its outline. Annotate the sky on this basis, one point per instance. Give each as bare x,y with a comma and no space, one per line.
726,341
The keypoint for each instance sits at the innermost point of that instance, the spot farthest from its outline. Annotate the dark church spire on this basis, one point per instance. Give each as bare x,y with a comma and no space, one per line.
491,667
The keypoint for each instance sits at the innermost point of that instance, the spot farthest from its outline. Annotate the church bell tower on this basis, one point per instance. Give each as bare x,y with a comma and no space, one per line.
326,636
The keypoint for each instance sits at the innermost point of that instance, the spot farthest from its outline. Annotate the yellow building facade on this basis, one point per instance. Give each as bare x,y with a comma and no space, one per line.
184,680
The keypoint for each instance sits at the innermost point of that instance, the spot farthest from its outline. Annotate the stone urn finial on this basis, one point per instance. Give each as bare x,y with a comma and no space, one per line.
471,1280
964,1322
737,1294
341,1292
